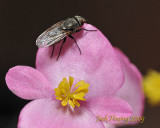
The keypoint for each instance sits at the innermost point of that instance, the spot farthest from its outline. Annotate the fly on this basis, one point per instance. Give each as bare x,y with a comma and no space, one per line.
60,31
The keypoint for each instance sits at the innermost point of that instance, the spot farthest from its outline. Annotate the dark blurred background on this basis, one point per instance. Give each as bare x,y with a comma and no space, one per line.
131,25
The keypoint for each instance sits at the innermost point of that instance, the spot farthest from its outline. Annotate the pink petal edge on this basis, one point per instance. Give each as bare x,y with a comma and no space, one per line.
28,83
132,90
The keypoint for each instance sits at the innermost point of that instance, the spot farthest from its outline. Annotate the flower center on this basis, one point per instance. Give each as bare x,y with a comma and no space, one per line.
69,95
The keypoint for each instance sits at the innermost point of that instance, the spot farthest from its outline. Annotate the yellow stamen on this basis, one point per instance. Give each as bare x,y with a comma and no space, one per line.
71,96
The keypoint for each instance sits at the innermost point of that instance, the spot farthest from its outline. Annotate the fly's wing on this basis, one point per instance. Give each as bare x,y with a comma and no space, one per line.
51,35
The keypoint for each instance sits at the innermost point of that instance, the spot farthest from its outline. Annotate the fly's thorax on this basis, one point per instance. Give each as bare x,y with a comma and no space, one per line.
70,24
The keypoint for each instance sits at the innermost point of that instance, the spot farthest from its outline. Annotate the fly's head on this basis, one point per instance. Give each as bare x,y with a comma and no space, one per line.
80,19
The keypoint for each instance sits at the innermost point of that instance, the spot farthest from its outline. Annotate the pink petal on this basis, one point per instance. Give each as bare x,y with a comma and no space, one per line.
98,64
28,83
109,107
132,90
46,113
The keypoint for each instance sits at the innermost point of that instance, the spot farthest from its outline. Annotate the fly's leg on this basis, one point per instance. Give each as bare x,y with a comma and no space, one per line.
75,42
84,29
61,48
52,51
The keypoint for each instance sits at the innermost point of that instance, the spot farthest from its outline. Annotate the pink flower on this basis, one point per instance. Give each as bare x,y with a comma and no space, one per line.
98,66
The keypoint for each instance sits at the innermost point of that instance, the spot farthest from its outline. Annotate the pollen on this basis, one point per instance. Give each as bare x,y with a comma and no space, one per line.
71,95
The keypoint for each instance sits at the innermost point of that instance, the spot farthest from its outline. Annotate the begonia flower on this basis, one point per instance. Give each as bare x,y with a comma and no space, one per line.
88,82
